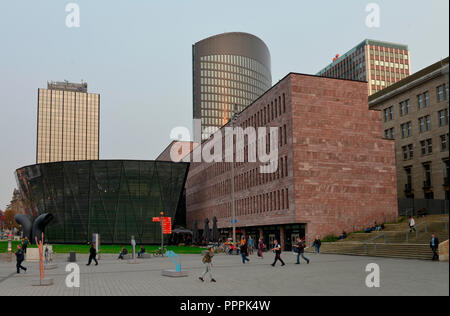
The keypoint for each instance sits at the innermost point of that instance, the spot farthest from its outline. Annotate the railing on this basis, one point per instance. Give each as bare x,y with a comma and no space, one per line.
417,230
374,241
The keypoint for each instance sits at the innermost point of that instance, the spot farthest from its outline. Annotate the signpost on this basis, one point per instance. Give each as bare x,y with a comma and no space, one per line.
9,247
166,227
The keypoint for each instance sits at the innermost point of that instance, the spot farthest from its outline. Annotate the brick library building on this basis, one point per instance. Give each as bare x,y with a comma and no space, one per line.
335,170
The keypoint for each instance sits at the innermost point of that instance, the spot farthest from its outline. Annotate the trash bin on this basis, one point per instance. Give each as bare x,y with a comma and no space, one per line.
72,256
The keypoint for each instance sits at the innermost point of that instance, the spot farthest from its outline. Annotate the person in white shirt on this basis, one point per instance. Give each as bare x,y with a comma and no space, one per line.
412,224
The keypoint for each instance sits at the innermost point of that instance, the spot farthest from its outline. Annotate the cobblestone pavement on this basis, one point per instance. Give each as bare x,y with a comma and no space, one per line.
326,275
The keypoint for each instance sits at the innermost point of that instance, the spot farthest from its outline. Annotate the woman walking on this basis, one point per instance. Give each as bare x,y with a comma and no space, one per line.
261,247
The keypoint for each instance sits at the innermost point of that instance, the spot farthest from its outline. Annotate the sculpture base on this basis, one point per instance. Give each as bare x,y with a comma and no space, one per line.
175,274
45,282
50,266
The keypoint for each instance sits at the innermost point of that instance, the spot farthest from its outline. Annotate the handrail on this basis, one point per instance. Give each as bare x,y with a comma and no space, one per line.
374,241
417,231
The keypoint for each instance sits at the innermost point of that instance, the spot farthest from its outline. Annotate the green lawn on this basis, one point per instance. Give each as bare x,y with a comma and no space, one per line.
106,249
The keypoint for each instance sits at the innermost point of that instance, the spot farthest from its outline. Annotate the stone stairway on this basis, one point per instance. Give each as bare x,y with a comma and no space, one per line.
398,244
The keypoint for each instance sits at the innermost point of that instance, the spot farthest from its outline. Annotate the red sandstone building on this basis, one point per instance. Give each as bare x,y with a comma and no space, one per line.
335,171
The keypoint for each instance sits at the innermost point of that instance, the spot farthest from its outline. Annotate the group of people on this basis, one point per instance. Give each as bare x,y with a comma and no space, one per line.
247,246
375,228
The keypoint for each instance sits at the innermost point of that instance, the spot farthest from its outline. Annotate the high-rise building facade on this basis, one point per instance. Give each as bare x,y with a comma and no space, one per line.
415,117
68,123
228,69
381,64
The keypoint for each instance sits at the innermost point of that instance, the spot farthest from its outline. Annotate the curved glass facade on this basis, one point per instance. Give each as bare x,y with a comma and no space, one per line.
229,70
226,81
117,199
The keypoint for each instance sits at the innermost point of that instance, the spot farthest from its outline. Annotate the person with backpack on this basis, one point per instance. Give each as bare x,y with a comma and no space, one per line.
300,250
207,260
277,251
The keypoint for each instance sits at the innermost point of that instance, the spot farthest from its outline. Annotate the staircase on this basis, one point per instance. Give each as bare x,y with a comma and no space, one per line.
395,241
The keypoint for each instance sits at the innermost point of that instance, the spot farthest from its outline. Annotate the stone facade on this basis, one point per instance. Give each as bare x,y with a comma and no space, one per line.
423,149
334,172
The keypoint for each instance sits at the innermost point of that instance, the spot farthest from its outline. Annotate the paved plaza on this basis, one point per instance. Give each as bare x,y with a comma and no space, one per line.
326,275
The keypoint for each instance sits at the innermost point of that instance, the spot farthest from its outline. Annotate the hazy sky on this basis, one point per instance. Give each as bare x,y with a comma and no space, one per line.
137,55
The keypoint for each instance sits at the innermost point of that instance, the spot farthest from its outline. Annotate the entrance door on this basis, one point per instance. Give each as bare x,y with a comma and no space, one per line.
271,241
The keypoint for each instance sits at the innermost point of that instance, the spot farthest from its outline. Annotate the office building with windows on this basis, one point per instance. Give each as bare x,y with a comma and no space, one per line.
335,171
231,69
68,122
381,64
415,117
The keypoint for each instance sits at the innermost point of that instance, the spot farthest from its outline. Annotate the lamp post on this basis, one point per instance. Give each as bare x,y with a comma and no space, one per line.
233,206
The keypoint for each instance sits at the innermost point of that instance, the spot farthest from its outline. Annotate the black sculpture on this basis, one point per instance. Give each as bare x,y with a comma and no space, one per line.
33,228
206,232
195,237
215,230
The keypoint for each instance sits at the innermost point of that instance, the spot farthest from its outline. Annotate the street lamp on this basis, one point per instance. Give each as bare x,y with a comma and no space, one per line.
233,207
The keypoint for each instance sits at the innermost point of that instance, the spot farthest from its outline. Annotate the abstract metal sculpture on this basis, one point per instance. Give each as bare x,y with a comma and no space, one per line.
34,229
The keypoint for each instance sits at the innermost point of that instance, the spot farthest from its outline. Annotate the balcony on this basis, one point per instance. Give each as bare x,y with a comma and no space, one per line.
427,185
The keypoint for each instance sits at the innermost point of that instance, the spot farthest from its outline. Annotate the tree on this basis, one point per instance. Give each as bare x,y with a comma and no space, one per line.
10,222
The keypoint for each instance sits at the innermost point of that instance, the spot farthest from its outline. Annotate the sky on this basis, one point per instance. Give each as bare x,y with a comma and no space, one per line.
138,55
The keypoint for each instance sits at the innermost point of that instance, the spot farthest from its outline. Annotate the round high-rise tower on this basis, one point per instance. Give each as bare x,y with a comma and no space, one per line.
228,69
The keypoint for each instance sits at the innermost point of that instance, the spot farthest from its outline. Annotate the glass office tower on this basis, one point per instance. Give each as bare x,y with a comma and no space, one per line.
228,69
68,123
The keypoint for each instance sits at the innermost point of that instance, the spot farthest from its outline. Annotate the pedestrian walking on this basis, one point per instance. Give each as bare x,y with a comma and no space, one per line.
277,251
207,261
434,245
261,247
92,255
412,224
317,244
250,245
20,257
244,251
300,250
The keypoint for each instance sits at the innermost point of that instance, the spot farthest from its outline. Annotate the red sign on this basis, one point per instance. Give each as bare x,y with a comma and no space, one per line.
167,226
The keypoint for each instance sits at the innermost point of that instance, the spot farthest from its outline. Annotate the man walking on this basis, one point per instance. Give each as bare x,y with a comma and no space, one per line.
434,245
92,255
317,244
301,251
207,260
277,250
20,257
412,224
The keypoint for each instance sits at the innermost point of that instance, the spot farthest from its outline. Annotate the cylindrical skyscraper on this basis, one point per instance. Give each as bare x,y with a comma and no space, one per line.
228,69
